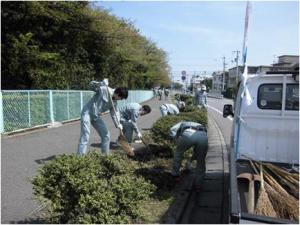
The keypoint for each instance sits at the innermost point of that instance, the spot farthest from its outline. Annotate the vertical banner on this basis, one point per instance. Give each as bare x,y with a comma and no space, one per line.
245,92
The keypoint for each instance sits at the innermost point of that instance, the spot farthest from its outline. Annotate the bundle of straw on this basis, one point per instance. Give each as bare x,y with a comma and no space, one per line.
125,145
264,206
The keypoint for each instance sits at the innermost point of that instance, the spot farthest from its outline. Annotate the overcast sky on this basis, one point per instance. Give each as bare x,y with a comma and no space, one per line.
197,34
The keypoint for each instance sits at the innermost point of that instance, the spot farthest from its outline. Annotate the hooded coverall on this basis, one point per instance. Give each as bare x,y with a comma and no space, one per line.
160,92
129,114
166,109
202,98
187,135
90,114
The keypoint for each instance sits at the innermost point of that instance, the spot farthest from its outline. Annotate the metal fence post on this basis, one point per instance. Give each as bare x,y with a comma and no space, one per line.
81,100
68,105
1,114
29,109
51,106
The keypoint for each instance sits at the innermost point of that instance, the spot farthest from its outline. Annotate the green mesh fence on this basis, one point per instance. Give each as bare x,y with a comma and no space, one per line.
27,109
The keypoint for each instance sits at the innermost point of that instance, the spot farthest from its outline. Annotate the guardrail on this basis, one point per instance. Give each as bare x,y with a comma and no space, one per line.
215,95
24,109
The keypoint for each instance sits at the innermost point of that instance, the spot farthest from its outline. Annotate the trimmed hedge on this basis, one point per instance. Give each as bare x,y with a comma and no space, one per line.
93,188
160,129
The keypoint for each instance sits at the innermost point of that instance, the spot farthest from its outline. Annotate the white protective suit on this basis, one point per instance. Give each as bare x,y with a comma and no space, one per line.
91,114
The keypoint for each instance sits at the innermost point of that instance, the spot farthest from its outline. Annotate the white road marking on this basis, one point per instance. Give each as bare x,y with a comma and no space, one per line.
230,118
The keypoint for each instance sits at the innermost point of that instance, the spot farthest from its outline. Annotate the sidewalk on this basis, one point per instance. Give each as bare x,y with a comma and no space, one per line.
210,206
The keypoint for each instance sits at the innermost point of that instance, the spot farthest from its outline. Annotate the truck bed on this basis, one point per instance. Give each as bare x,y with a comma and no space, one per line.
241,186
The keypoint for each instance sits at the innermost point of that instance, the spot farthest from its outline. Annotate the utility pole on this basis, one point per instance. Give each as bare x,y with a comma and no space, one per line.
237,66
223,80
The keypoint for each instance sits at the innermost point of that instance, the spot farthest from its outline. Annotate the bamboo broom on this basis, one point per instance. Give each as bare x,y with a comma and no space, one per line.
125,145
285,179
122,140
292,177
264,206
285,205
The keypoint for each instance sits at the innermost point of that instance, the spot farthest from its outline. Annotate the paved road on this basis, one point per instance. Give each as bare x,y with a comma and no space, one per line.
215,110
23,154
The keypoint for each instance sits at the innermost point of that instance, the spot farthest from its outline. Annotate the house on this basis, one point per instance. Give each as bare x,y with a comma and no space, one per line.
217,81
286,62
235,74
196,81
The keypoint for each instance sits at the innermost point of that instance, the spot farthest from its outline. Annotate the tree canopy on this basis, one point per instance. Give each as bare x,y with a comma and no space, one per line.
65,45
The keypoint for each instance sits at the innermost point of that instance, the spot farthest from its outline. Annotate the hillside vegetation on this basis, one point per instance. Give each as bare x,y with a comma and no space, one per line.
64,45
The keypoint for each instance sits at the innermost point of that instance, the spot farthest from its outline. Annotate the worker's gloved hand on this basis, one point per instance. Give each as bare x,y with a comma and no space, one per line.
139,135
120,126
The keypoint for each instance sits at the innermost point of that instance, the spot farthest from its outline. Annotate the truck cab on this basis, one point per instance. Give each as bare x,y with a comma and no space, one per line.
266,130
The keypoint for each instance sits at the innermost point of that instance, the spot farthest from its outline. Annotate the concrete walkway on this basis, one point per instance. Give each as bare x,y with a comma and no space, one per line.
23,154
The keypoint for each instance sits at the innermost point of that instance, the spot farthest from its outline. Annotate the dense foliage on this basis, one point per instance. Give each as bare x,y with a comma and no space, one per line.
161,128
64,45
91,189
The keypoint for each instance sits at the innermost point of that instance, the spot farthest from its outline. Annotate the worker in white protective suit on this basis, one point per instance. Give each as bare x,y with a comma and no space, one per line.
202,96
105,99
168,109
190,134
129,114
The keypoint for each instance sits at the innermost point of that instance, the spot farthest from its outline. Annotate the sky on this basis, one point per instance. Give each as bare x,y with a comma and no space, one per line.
197,34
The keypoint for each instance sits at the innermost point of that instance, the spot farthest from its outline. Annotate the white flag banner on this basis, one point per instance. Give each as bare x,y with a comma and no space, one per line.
245,92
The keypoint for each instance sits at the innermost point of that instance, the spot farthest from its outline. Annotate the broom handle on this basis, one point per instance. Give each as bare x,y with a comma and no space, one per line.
113,106
262,177
294,177
273,182
269,178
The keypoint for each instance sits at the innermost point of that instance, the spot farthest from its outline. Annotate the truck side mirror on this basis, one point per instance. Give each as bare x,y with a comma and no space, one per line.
227,110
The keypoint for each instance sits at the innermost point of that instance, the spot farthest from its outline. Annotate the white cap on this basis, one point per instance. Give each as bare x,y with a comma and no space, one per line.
203,87
105,81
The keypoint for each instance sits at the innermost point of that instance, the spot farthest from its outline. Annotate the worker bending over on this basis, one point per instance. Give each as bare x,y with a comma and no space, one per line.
129,115
168,109
104,99
186,135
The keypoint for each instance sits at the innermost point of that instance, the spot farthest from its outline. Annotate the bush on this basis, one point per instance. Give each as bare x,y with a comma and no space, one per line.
185,98
161,128
91,189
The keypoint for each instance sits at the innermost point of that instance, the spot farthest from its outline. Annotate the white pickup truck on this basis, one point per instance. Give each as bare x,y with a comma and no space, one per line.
266,130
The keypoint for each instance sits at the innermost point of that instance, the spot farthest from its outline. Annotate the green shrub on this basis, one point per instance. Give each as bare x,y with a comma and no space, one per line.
161,128
188,99
91,189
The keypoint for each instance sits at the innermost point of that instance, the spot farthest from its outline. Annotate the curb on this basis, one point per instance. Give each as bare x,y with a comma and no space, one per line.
177,208
225,156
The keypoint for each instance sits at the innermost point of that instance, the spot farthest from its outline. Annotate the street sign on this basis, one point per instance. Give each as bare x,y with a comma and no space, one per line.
183,73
